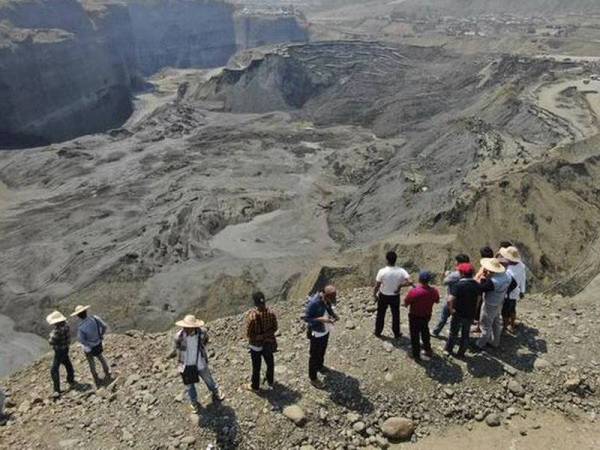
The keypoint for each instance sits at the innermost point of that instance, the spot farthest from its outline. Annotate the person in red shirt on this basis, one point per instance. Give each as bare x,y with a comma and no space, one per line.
420,300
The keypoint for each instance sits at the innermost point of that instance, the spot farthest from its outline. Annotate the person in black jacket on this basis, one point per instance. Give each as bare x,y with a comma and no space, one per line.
60,339
463,301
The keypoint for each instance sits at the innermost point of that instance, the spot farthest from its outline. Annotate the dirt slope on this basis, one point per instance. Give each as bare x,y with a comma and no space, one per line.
371,380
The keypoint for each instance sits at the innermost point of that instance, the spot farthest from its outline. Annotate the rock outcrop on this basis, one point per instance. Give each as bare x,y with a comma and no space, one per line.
69,68
256,30
58,79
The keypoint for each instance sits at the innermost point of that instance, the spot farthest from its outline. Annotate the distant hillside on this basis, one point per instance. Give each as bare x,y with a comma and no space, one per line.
474,7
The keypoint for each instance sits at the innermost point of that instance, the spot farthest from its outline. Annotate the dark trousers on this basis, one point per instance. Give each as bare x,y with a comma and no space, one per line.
419,330
318,348
462,325
61,357
257,358
383,302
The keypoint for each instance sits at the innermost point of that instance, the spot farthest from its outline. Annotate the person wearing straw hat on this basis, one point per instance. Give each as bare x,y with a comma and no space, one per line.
90,334
190,346
60,339
517,270
495,283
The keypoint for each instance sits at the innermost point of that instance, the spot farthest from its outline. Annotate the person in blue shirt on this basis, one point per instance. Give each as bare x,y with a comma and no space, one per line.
450,280
320,317
91,336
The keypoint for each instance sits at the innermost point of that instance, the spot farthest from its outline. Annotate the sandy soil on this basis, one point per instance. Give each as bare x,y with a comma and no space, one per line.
541,431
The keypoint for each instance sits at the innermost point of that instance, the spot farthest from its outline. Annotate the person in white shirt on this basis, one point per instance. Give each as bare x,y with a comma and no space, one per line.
517,270
388,283
192,359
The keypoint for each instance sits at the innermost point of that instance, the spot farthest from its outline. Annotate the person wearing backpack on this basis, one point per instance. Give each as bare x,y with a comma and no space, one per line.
261,325
320,317
90,334
192,359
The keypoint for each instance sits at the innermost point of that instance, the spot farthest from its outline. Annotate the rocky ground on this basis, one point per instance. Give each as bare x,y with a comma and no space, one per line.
375,395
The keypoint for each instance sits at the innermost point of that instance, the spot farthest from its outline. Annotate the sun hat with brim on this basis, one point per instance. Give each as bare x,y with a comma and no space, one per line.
55,317
492,265
190,321
511,254
79,309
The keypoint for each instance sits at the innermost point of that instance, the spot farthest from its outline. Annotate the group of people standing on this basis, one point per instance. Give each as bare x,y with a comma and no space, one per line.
90,333
486,298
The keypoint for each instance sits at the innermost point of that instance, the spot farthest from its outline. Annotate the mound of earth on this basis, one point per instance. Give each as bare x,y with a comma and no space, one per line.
386,88
546,375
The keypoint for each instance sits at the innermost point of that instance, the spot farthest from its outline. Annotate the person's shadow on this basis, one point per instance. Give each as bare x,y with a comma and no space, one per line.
344,390
442,370
222,420
521,349
281,396
483,364
402,342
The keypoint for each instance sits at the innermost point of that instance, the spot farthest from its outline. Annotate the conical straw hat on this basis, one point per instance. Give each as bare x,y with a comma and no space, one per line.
55,317
492,265
190,321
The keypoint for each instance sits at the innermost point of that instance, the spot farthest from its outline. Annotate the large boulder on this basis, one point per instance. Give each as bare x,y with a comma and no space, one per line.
398,428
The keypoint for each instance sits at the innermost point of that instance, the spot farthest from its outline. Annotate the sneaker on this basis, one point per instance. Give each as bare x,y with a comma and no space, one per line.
195,407
218,396
55,395
268,387
317,383
324,370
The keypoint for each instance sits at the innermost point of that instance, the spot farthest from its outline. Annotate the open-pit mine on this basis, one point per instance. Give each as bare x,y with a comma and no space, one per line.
166,156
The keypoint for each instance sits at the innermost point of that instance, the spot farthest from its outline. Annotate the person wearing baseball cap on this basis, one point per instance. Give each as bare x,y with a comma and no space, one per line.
464,297
261,326
420,300
495,283
60,339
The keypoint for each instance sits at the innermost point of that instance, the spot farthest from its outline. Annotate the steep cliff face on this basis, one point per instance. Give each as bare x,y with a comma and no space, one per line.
58,79
69,67
182,33
256,30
